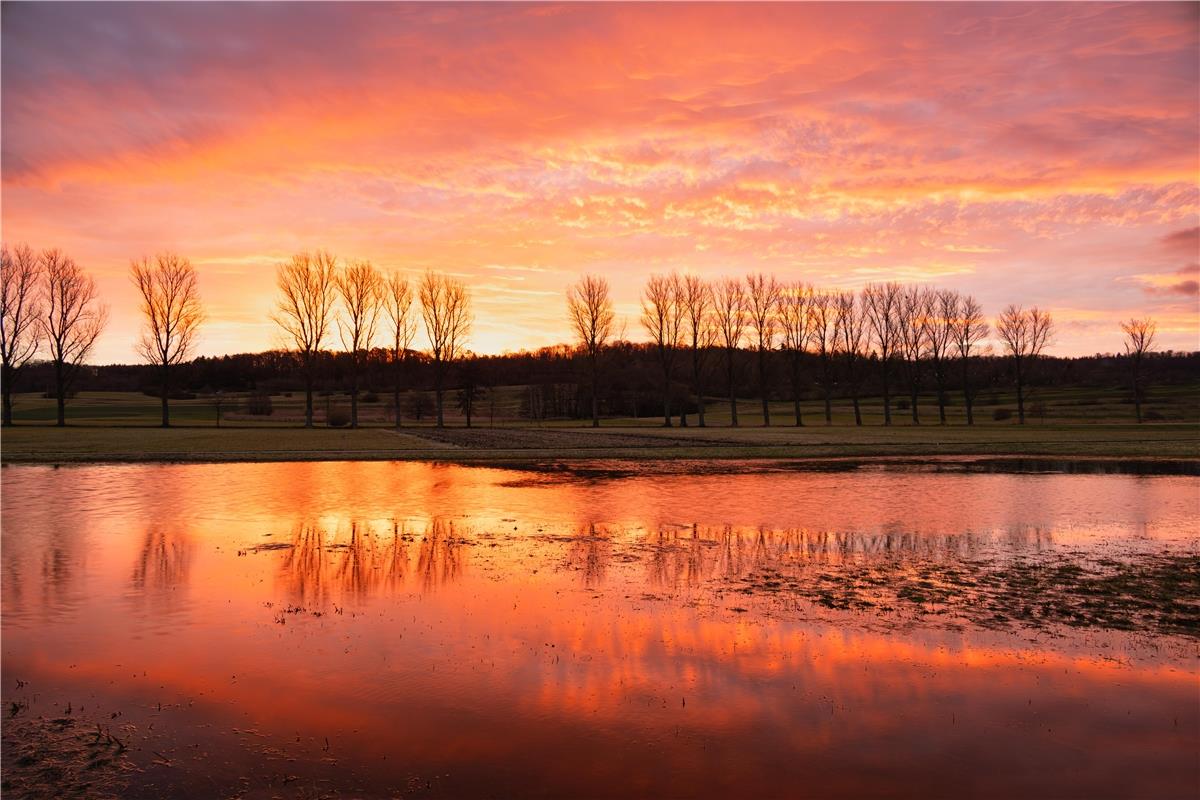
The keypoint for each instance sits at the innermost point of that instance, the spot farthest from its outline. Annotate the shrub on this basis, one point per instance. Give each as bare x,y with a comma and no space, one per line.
1001,414
259,404
902,404
337,418
370,397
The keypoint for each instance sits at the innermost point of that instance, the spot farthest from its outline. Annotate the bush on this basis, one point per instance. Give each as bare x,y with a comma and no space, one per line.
338,418
370,397
259,404
1001,414
901,404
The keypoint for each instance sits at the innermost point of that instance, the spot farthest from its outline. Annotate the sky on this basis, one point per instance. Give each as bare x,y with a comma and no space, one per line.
1042,154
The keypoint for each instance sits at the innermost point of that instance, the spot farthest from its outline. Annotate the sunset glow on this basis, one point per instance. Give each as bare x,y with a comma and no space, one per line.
1041,154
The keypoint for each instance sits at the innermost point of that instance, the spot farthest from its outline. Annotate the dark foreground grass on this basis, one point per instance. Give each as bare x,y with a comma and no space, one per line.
525,444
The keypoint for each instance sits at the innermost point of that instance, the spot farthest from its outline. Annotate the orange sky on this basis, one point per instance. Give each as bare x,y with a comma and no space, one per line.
1046,154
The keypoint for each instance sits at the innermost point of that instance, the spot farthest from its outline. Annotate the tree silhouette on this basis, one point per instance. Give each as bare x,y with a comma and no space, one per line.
823,335
397,302
361,289
916,309
762,300
591,312
446,311
71,321
1139,340
20,312
795,324
850,334
881,306
969,328
729,313
700,333
662,318
172,311
308,285
1024,334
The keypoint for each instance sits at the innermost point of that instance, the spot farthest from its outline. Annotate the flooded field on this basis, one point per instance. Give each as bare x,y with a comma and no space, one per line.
421,630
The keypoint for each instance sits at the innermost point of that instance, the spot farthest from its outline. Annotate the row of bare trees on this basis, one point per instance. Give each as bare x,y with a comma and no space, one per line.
922,329
313,285
50,306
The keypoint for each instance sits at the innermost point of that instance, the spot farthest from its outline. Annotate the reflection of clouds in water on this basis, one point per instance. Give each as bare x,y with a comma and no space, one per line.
360,560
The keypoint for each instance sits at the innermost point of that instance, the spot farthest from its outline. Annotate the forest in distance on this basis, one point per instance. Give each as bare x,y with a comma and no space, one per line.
709,342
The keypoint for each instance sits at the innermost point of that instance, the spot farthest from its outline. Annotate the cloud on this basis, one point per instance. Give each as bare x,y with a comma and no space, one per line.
1001,149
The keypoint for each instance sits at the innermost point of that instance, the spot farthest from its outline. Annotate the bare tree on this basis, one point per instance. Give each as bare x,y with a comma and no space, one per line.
701,335
881,306
823,335
591,311
762,299
850,336
397,302
940,331
916,308
729,313
446,311
1024,334
361,288
662,318
71,321
20,312
171,307
795,322
1139,341
968,328
308,284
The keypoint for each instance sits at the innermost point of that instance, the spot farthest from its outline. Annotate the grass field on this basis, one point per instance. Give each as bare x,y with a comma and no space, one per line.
1070,423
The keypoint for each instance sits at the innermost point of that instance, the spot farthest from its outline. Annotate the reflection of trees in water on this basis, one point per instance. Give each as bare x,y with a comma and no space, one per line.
363,562
162,565
589,552
676,556
439,558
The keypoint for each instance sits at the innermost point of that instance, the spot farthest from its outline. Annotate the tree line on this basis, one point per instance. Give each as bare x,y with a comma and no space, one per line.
700,333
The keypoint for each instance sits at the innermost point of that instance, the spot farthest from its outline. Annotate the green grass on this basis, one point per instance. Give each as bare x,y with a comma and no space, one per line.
1077,423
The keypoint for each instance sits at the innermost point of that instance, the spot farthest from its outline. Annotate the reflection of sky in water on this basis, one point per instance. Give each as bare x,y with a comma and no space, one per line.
565,636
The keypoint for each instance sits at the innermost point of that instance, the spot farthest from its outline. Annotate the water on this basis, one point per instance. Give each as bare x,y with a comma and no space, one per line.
424,630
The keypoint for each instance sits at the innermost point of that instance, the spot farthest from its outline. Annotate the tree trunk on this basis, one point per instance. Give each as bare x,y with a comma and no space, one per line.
887,397
796,391
396,385
825,390
1020,396
437,392
6,418
354,390
940,379
762,387
857,410
697,386
60,394
166,392
308,392
595,399
967,399
733,420
916,417
1137,390
666,395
